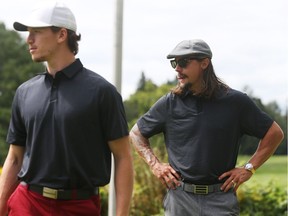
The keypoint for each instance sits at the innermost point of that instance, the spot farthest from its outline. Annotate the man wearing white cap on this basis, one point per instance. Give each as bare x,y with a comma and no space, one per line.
65,124
202,120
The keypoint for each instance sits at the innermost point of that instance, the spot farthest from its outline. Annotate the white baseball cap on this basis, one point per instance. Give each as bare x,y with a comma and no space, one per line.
49,14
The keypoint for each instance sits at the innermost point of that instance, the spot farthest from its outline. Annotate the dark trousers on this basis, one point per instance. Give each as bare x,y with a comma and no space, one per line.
178,202
28,203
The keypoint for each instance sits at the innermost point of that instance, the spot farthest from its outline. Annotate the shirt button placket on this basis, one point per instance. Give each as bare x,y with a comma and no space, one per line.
54,92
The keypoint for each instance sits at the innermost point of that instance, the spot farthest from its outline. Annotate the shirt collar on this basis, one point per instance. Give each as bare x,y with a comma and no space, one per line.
70,70
73,68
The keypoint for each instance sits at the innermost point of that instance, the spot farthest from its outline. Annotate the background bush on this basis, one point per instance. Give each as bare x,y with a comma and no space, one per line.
262,200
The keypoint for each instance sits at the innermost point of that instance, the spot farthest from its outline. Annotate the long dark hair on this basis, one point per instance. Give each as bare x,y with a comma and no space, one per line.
211,84
73,39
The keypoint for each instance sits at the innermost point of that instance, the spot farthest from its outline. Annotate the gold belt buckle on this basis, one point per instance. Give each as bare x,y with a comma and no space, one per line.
201,189
50,193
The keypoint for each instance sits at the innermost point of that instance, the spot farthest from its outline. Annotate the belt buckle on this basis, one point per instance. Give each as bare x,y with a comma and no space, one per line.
50,193
201,189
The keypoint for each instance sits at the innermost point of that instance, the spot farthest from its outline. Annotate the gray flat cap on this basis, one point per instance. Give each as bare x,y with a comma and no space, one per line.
196,47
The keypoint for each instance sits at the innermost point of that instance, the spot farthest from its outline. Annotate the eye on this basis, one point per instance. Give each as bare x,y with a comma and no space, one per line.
36,30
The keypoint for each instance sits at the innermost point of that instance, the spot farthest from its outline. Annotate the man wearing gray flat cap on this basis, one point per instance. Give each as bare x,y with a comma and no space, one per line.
202,120
197,48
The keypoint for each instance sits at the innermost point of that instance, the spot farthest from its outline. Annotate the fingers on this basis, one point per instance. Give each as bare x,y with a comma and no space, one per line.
234,178
224,175
167,175
170,181
234,183
229,184
175,174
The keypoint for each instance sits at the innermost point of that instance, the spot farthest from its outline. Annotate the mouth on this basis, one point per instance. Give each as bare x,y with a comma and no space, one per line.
32,49
181,77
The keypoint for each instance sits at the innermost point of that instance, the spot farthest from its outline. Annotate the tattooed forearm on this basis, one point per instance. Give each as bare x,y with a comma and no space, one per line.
142,146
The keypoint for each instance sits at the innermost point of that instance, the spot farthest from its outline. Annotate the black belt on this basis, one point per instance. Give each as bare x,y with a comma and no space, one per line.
200,189
61,194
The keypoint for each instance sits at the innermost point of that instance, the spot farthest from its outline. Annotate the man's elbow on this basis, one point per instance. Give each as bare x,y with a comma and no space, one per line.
278,133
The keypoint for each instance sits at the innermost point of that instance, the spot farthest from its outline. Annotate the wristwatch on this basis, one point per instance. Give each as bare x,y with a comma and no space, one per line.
249,167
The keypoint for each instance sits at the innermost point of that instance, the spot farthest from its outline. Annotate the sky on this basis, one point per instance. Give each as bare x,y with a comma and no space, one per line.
248,39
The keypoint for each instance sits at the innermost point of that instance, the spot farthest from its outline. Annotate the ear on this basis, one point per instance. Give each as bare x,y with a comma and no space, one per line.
204,63
62,35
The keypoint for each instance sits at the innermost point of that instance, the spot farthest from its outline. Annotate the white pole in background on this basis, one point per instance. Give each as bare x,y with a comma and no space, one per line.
118,45
117,83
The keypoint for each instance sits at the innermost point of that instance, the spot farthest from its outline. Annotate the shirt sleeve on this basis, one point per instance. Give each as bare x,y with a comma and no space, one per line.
113,117
16,132
154,121
254,122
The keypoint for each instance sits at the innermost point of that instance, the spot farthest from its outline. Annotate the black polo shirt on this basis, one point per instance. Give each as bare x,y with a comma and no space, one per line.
65,124
202,137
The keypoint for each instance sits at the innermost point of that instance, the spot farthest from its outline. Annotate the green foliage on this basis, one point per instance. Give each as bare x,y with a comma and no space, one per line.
142,82
4,121
16,67
104,200
148,190
262,200
249,144
140,102
273,170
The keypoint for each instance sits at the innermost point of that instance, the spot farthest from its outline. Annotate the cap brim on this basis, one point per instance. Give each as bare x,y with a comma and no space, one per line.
23,27
196,55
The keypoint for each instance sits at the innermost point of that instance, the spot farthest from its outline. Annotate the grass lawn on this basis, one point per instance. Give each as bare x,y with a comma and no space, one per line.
273,171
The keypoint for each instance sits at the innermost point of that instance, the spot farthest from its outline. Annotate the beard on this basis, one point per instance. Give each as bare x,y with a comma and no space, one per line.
186,88
182,89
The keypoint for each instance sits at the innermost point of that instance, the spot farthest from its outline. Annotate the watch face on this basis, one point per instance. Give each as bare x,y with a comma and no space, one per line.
249,166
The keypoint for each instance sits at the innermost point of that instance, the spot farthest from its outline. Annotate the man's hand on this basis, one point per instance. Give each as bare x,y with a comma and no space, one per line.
166,174
235,178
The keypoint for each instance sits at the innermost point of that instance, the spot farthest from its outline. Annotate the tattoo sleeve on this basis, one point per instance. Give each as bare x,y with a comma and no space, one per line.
142,146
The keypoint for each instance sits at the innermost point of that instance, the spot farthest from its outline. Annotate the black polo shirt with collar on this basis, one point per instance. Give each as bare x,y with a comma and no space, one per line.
65,124
202,136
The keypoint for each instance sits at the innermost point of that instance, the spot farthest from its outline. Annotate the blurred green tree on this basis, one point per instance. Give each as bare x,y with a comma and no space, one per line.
16,67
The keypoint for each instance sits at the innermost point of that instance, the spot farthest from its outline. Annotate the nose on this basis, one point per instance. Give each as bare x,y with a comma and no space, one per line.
29,39
178,69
